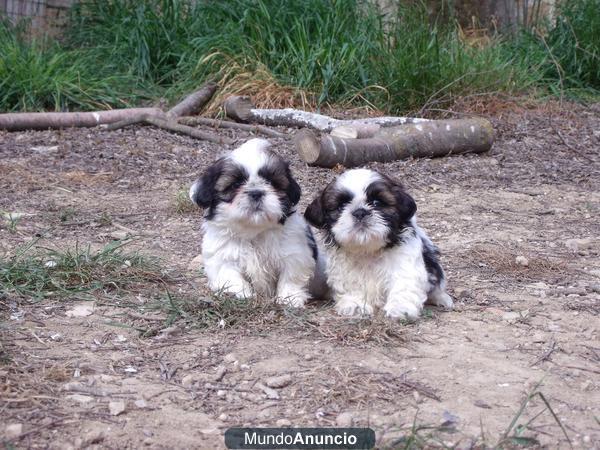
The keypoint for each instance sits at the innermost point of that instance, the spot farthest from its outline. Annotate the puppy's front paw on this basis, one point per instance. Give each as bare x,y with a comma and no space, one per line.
238,288
350,306
440,298
403,310
292,297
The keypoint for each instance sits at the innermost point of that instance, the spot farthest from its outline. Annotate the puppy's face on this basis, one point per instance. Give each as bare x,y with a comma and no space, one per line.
252,187
362,211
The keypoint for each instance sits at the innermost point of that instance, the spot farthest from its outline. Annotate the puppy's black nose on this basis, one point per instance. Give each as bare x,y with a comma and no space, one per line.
361,213
256,194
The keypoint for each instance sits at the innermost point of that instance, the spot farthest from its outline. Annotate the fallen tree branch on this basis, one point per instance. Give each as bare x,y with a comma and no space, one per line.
54,120
227,124
427,139
241,109
193,102
170,125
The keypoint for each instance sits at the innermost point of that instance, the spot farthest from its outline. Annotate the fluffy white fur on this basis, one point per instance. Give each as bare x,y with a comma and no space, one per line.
362,273
246,249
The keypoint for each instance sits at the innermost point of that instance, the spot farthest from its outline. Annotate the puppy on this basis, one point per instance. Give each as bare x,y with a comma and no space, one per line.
254,240
377,256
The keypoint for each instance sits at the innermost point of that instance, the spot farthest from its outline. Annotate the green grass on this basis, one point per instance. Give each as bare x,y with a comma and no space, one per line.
341,52
38,75
35,273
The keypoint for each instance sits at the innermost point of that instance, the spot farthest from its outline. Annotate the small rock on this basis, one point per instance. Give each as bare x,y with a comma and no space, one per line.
511,316
79,398
81,310
481,404
188,380
308,357
169,332
221,371
270,393
44,150
119,235
579,244
116,407
147,433
221,393
282,423
586,385
586,439
344,420
195,265
205,354
14,430
279,381
522,261
230,358
141,403
417,397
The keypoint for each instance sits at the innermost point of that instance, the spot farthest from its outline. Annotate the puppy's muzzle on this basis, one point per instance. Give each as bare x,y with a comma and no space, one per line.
256,195
361,213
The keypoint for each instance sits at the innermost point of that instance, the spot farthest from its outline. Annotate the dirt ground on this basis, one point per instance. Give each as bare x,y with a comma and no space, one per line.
452,379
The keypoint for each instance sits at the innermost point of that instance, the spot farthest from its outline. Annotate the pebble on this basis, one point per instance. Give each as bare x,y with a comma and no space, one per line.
417,397
196,264
14,430
221,393
308,357
344,420
221,371
141,403
223,417
230,357
79,398
511,316
116,408
188,380
279,381
281,423
522,261
270,393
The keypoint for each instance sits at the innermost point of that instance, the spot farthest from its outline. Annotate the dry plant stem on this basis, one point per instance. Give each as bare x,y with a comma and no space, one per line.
241,109
191,121
170,125
428,139
193,102
55,120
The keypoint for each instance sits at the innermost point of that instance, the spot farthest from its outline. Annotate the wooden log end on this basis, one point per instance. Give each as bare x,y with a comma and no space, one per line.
307,145
238,107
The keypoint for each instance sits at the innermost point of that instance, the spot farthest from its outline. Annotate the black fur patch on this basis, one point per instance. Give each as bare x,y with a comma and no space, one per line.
277,172
432,264
325,210
312,243
219,183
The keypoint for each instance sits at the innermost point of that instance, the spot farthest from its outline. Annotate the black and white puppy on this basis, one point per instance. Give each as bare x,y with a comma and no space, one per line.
254,240
377,255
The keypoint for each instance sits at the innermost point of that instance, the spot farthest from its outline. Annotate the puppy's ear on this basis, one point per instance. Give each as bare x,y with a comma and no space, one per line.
203,191
314,213
293,191
405,204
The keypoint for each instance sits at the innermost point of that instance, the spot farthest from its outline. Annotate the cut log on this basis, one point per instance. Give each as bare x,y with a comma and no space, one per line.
357,131
241,109
46,120
191,121
428,139
193,102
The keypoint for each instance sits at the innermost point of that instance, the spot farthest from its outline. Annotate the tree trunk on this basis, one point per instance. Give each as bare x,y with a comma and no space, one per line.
428,139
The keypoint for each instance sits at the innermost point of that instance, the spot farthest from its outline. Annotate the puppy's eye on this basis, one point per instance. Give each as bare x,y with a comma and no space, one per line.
378,203
235,185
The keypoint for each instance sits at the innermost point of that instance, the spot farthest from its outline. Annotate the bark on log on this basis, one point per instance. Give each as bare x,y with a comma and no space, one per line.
428,139
241,109
191,121
46,120
193,102
356,131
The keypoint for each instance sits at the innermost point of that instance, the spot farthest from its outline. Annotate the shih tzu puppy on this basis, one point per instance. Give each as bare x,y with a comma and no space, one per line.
254,240
377,255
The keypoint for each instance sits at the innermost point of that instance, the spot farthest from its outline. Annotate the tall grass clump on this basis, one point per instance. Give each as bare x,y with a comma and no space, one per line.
575,43
38,75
